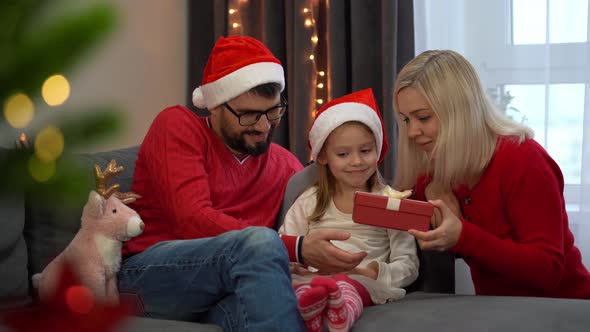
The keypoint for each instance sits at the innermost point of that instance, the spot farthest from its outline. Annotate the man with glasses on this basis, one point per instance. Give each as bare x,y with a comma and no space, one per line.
249,118
204,183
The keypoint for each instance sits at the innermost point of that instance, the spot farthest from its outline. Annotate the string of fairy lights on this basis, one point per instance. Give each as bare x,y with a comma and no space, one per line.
319,87
234,17
319,78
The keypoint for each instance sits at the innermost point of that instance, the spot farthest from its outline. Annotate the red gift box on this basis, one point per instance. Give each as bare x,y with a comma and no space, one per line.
383,211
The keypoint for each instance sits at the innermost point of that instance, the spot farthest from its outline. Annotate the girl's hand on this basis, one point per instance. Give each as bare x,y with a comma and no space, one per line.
434,191
445,236
370,271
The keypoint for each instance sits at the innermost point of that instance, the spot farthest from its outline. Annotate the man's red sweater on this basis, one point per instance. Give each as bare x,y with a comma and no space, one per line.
192,186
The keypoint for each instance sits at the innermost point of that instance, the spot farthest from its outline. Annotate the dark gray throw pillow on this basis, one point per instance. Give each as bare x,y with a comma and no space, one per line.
14,283
49,229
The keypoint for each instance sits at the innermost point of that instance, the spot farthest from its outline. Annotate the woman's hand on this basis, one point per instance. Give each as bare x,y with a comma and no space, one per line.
434,191
445,236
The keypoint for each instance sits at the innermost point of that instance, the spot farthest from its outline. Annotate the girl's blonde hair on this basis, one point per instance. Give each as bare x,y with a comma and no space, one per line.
469,123
326,183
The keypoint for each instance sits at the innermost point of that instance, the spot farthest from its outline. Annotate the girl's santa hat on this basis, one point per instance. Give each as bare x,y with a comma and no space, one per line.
236,65
358,106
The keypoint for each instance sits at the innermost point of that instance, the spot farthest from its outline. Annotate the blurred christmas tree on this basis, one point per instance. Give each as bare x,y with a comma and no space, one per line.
35,61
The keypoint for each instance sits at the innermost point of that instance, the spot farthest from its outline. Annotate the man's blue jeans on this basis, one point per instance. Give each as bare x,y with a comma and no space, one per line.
239,280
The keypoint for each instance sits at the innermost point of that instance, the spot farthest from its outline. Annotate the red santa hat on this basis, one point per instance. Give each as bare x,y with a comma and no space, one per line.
236,64
358,106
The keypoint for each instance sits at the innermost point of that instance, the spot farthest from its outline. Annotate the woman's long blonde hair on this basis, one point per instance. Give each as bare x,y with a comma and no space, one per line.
469,124
326,184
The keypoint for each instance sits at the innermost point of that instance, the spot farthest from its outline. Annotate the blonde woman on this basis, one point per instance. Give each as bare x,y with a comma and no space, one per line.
498,193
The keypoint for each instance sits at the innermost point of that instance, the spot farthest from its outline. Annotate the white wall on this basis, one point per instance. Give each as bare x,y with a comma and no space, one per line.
141,67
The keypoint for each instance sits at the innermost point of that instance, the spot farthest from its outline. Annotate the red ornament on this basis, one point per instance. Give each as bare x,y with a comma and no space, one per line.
71,308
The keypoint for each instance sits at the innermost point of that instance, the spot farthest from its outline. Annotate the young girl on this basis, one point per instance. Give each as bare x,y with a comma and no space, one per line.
500,193
348,142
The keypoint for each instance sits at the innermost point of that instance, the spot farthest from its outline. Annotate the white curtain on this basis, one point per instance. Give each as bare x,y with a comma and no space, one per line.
533,57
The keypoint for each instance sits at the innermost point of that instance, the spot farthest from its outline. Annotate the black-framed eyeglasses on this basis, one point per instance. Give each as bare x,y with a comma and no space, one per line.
248,118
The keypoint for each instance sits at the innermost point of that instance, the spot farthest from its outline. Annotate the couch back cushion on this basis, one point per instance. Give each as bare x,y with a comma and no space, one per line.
14,288
49,229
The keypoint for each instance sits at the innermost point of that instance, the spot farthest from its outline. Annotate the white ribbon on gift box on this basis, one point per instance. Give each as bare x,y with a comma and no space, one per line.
393,204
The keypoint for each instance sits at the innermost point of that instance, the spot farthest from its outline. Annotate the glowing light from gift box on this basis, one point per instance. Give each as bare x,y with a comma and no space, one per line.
49,144
19,110
55,90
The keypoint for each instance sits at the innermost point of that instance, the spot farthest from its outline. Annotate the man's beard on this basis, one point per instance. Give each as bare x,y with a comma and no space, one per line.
238,143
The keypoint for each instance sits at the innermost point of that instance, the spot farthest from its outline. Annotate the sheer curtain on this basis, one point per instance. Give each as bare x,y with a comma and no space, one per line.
533,57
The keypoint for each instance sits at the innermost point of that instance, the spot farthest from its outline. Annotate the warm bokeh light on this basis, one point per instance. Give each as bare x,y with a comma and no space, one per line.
49,144
314,39
235,25
232,11
55,90
39,170
79,299
311,57
320,85
308,22
305,10
321,73
19,110
320,101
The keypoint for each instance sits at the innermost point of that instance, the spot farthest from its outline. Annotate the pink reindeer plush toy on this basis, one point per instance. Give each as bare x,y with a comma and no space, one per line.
95,252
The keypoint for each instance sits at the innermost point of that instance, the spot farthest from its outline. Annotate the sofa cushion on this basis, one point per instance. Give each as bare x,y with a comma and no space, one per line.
419,312
14,287
141,324
49,229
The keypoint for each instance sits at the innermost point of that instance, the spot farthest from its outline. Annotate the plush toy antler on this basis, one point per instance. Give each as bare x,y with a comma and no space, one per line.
102,179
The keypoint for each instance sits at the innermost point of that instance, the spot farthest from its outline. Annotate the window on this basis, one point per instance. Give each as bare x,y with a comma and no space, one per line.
553,111
567,21
536,53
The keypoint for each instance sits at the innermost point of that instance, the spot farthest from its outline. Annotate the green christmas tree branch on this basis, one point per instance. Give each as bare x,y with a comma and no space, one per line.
27,61
30,53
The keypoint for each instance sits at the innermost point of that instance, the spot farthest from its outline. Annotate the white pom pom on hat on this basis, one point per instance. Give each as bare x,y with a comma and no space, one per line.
358,106
198,98
236,65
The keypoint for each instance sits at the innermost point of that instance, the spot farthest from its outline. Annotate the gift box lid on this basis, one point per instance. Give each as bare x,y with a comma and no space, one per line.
394,204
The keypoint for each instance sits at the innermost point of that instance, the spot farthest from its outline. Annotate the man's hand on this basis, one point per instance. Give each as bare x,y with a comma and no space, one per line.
445,236
318,252
434,191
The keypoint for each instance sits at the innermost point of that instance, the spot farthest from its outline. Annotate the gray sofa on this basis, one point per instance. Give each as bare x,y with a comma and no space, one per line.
32,233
